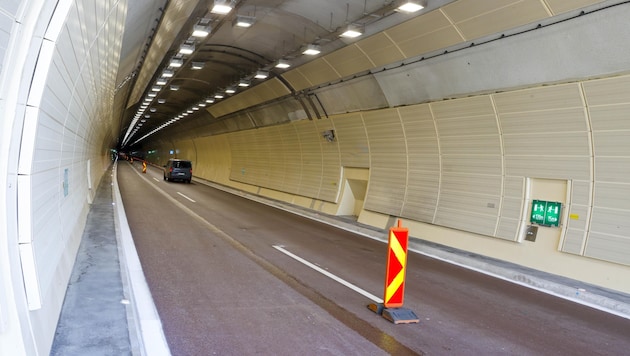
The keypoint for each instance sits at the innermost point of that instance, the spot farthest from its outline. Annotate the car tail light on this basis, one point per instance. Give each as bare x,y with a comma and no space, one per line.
170,170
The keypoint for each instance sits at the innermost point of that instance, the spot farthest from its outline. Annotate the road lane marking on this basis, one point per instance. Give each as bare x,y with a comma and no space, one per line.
186,197
155,179
329,275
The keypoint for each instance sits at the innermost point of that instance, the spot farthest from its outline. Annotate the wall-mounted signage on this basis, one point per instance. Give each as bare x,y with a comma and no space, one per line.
546,213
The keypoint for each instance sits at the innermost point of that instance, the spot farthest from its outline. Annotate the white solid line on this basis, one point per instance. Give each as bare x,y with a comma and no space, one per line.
186,197
329,275
157,180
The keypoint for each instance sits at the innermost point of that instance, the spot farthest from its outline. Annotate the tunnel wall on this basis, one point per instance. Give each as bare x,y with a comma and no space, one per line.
461,172
461,144
58,74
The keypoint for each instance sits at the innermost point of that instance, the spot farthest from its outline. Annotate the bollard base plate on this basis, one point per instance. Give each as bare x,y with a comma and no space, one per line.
400,315
376,307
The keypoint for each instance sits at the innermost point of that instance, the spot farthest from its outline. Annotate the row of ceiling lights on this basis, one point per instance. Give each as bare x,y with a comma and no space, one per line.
203,29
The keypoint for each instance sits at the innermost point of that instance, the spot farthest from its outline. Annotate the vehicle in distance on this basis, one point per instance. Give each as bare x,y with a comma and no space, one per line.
178,169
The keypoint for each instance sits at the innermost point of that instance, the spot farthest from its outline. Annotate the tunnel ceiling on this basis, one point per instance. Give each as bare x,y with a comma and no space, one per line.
150,109
281,29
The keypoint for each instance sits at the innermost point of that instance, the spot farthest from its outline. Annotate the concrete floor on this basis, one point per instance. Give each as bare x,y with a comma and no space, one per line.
220,287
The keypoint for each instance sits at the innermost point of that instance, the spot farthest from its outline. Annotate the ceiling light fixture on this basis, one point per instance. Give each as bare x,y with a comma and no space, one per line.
197,65
283,64
261,74
209,100
167,73
218,96
312,49
161,101
176,62
352,31
186,48
411,6
244,21
221,7
200,31
174,87
230,90
161,81
156,88
244,83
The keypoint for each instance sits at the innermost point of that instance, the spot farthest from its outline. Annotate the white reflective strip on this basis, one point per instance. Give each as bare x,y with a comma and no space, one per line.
186,197
330,275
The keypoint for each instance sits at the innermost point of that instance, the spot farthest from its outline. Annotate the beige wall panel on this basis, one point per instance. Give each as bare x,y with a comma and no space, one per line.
464,126
386,190
349,60
292,153
297,80
610,117
607,91
318,72
466,221
511,209
466,107
274,88
581,192
472,164
514,187
276,165
478,145
462,10
417,120
507,229
502,18
352,140
561,6
331,164
542,98
610,248
612,143
418,45
418,26
549,167
577,220
380,50
612,169
311,158
214,160
486,205
424,162
612,195
474,184
185,149
547,143
424,34
573,241
421,195
572,119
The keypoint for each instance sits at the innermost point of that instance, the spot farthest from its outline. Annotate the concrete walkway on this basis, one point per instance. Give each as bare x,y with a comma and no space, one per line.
94,317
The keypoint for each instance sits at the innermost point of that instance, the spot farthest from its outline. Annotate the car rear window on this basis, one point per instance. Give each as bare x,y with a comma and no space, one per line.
182,164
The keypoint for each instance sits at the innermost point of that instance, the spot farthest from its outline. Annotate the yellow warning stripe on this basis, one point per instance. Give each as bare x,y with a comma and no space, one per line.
400,254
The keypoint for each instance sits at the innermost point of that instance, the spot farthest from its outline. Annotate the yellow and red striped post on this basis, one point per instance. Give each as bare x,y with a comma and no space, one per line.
396,270
395,273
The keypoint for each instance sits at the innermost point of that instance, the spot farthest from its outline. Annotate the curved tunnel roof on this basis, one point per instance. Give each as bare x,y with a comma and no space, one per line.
153,96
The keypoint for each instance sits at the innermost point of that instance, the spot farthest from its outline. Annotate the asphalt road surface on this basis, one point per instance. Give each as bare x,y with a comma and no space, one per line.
223,284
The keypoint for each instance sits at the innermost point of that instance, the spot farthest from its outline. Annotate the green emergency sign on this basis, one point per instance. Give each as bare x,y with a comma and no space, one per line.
546,213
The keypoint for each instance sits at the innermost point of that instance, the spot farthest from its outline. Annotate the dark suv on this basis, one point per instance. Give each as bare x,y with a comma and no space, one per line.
178,169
